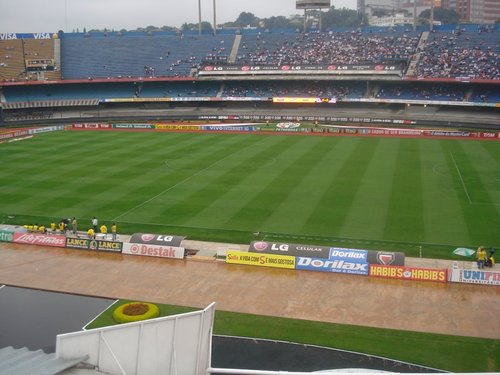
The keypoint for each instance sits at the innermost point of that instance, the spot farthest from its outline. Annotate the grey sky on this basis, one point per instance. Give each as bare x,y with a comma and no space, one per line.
27,16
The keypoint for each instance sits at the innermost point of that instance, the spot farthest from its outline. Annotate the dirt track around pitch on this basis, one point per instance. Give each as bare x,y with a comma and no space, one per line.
451,308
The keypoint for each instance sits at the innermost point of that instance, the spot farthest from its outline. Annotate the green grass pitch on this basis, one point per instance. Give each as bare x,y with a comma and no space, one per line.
422,197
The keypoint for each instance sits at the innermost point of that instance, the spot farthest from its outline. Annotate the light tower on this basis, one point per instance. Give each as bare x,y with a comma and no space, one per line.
199,18
312,5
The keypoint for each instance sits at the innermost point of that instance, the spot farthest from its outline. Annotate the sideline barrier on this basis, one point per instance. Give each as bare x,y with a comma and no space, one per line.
332,253
263,260
39,239
409,273
88,244
158,251
475,277
6,236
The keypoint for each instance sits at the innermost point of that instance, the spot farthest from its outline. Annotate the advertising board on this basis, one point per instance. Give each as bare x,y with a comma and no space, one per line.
289,249
87,244
409,273
154,250
336,265
475,277
263,260
156,239
39,239
334,253
5,236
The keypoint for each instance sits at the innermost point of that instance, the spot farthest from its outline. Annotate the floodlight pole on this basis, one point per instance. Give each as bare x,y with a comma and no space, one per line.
432,15
215,19
414,15
199,17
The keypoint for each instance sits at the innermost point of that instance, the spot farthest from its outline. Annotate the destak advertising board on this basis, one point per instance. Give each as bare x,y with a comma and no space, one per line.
475,277
39,239
152,250
263,260
87,244
333,253
156,239
409,273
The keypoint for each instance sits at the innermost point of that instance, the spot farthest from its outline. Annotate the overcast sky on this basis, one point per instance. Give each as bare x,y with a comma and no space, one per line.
33,16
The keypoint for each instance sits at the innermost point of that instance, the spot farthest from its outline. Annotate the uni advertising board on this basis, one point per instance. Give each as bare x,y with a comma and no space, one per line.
409,273
152,250
263,260
475,277
323,252
87,244
39,239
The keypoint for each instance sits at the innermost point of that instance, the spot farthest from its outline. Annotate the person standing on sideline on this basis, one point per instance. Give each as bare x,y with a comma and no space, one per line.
114,229
481,257
53,226
74,226
104,231
91,234
94,224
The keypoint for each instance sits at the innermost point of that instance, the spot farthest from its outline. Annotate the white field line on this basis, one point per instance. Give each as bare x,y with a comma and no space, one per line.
461,178
174,186
465,187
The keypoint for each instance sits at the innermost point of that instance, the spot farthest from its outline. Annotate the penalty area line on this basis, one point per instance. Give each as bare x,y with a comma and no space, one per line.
175,185
461,178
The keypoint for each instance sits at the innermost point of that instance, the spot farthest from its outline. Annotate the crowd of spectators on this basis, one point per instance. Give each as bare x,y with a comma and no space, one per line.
334,47
292,89
412,92
461,54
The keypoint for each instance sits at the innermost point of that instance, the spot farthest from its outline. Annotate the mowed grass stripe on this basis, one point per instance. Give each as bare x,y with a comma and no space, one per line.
300,199
443,219
216,180
405,208
482,220
274,206
235,189
368,212
333,208
178,199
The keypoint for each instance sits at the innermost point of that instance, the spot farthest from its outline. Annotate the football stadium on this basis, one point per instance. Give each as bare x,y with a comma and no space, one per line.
250,200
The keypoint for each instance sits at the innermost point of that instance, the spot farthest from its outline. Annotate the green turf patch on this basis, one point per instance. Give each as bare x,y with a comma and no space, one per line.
422,197
451,353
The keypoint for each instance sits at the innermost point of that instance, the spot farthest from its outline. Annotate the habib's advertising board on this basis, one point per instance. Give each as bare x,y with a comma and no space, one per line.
87,244
332,253
154,250
409,273
156,239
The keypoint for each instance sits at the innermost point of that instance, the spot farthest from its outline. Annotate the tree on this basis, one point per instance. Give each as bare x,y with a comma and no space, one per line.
279,22
205,26
445,16
341,18
246,19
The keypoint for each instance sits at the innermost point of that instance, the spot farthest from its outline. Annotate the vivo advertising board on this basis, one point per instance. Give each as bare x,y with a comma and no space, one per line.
355,267
156,239
335,253
153,250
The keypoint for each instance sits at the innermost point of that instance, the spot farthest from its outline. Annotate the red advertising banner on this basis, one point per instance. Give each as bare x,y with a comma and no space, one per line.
39,239
409,273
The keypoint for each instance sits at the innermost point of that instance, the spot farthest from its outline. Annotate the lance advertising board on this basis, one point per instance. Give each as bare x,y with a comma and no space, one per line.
87,244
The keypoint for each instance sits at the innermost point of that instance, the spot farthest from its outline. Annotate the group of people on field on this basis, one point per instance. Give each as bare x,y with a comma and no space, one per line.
66,225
